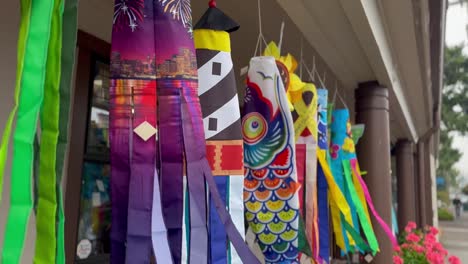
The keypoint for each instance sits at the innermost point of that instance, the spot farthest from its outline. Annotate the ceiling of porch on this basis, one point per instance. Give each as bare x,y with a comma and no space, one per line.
366,40
352,41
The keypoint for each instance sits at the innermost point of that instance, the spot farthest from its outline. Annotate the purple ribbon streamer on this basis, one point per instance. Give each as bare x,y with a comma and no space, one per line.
120,131
194,142
161,247
140,204
171,164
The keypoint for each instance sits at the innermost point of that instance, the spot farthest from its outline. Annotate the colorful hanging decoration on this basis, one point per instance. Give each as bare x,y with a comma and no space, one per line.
337,201
46,234
287,65
322,186
40,87
172,127
337,169
299,94
222,124
342,151
158,151
270,185
344,144
69,37
305,126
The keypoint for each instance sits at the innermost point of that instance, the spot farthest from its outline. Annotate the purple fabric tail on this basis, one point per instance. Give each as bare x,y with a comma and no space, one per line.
120,131
171,163
139,243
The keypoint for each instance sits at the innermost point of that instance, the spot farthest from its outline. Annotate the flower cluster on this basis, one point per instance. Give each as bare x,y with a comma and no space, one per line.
421,247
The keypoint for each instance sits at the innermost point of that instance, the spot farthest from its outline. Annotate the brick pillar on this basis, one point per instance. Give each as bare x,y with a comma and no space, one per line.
372,109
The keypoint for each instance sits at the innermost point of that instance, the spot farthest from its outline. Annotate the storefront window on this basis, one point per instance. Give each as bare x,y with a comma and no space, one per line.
93,238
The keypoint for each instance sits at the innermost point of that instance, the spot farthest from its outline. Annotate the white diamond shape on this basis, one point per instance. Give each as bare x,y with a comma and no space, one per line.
145,130
368,258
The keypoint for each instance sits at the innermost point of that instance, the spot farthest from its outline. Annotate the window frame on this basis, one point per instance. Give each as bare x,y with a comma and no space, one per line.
89,50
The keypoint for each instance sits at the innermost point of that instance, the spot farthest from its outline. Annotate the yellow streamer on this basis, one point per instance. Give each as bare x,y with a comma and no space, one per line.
337,199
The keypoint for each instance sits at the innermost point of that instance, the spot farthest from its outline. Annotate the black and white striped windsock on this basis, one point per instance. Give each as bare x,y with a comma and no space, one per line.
222,123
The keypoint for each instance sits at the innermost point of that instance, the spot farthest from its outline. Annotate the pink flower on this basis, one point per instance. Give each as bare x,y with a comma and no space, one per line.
430,238
429,245
433,231
440,249
434,258
418,248
454,260
406,246
410,227
397,249
429,242
398,260
412,237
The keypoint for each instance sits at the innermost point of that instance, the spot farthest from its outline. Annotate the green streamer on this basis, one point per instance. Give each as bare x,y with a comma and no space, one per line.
303,245
30,100
366,225
69,32
46,241
360,243
23,34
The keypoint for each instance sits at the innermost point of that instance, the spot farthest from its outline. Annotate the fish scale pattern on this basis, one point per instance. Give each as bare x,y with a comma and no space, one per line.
270,183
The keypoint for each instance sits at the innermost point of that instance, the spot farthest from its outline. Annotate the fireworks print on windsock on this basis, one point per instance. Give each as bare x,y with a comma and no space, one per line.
157,144
270,182
222,124
180,10
127,13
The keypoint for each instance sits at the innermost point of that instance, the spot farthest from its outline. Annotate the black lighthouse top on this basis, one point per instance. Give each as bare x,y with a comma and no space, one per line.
215,19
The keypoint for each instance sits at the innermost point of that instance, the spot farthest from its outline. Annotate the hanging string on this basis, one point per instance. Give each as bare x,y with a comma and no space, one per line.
314,68
321,81
324,76
280,43
337,93
311,74
301,58
334,95
260,34
212,3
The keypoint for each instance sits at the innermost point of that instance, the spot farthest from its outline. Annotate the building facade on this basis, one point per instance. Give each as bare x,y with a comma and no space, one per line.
383,57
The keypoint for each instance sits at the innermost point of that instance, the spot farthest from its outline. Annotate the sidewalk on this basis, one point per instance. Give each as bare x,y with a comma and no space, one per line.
454,236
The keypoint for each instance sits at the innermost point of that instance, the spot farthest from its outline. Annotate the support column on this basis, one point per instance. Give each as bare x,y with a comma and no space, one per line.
421,185
417,208
406,179
429,178
372,109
